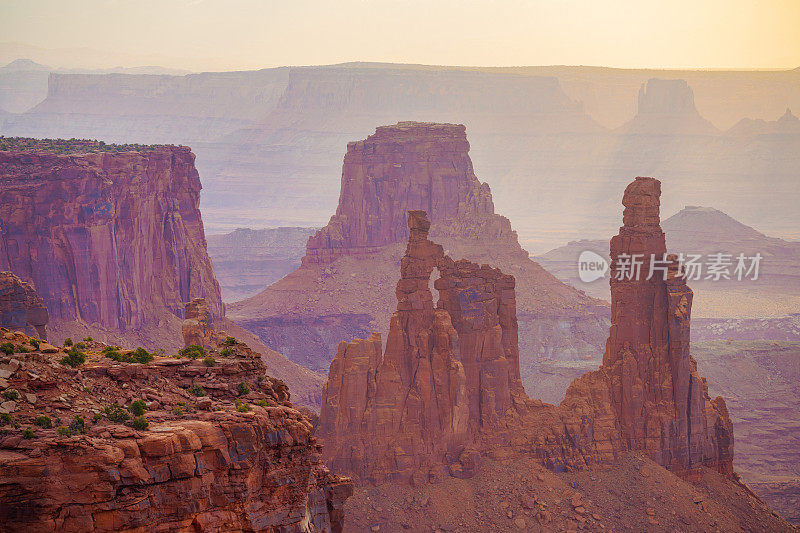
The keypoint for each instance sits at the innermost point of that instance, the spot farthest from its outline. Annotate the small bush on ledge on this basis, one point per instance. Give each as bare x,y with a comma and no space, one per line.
193,351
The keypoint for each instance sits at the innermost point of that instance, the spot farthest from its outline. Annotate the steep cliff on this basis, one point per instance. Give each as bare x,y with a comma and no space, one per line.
219,447
447,393
112,238
343,288
21,308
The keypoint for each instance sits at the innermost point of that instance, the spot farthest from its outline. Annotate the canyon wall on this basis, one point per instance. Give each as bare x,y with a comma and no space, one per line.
446,391
21,308
112,239
208,455
343,287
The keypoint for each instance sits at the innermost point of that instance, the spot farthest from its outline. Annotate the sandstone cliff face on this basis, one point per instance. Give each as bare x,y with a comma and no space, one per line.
343,288
109,239
21,308
202,464
447,390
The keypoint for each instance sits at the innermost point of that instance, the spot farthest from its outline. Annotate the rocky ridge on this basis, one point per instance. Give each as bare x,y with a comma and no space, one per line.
447,390
127,442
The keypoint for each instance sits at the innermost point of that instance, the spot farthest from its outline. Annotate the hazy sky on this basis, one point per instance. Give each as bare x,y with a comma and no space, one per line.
246,34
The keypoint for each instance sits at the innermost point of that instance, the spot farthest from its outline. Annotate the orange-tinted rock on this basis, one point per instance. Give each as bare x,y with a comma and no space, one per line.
447,372
21,308
201,465
107,238
447,389
198,326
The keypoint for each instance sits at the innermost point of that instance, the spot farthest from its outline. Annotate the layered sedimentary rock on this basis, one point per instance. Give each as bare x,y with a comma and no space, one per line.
343,287
112,239
198,326
21,308
216,456
407,411
447,392
666,107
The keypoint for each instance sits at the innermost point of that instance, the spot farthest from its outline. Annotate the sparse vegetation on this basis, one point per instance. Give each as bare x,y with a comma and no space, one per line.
43,422
209,361
193,351
28,433
137,407
140,423
243,388
263,403
177,411
5,419
71,146
116,413
67,342
230,341
7,348
197,390
139,355
78,425
87,339
243,407
225,352
64,431
74,357
10,394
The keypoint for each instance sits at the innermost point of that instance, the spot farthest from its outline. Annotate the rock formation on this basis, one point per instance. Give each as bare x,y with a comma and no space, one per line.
223,448
666,107
198,326
447,390
110,239
21,308
417,404
343,288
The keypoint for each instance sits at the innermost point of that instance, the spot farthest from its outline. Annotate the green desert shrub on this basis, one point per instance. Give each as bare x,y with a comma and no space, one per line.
10,394
43,422
193,351
116,413
63,431
177,411
225,352
74,358
243,388
5,419
139,355
78,425
67,342
243,407
197,390
230,341
28,433
140,423
137,407
209,361
7,348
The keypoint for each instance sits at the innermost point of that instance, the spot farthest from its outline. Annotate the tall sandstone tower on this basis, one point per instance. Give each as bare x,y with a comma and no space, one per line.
446,391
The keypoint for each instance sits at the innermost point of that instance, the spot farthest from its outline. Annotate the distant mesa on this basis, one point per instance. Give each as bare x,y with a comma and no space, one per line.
343,289
667,107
